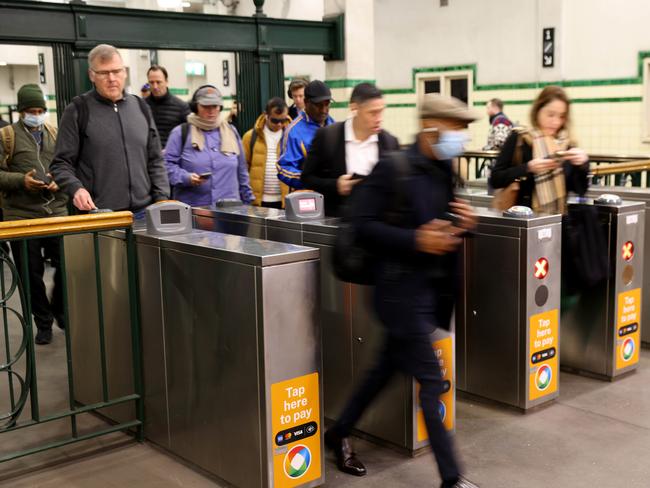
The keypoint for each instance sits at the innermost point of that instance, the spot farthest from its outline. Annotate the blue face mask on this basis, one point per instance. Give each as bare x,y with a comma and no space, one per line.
34,121
451,144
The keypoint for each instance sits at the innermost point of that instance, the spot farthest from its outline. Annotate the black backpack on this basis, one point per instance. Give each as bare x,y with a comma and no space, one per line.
351,261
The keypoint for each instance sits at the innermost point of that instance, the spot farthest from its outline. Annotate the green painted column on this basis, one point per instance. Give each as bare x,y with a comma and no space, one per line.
81,81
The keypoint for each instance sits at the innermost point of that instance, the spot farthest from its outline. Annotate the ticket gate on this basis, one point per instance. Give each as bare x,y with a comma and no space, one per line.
507,323
601,333
220,385
633,194
351,336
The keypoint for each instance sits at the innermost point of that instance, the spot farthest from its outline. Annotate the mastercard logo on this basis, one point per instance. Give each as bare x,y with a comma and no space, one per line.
627,351
543,377
297,462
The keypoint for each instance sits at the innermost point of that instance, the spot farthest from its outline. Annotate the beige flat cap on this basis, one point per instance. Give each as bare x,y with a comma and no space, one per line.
436,106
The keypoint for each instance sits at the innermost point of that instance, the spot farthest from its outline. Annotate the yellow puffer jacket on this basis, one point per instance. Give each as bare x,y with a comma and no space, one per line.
257,160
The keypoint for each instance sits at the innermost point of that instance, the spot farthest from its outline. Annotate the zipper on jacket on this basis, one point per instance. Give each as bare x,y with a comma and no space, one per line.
38,147
126,156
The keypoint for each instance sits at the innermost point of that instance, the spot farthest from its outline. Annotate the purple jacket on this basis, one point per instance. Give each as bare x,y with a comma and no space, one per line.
229,172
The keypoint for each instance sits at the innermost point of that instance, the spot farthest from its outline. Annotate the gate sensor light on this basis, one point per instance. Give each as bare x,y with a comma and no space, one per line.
541,268
628,251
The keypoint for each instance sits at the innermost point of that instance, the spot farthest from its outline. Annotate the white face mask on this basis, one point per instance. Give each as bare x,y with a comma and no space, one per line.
33,121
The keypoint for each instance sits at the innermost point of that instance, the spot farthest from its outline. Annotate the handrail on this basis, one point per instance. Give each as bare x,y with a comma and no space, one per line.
15,229
627,167
594,158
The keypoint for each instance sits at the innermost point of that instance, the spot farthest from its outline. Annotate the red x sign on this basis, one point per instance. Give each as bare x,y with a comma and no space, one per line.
541,268
628,250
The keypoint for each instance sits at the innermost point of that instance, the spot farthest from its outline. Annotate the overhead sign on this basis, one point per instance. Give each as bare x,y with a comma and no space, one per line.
548,47
41,67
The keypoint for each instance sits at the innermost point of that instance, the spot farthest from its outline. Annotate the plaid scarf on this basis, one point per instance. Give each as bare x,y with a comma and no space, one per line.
549,195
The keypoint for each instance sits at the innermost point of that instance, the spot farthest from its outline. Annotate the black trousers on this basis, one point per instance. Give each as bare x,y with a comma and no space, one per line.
413,356
38,250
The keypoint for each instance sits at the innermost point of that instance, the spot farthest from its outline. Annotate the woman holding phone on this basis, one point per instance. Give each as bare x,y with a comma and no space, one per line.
544,158
204,156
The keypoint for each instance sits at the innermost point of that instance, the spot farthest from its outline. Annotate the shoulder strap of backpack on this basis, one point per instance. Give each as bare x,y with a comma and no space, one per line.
81,104
145,110
8,140
185,127
251,143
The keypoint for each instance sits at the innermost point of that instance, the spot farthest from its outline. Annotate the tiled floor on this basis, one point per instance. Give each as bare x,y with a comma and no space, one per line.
596,435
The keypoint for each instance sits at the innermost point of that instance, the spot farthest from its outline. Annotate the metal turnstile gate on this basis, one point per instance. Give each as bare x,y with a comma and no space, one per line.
601,333
507,325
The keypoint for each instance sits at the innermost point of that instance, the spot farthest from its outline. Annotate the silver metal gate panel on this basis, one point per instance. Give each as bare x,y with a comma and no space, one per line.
501,298
83,307
592,338
634,195
232,328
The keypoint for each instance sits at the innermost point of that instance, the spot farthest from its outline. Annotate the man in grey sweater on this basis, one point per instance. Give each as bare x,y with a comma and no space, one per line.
108,151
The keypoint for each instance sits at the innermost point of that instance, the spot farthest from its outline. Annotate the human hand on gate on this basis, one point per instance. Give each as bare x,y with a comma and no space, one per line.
437,237
83,201
467,217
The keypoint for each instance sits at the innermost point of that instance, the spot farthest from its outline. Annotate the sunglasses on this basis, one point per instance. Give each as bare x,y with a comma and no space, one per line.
277,121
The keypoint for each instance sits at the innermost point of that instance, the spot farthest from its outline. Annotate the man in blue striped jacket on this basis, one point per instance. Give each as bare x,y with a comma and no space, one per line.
299,135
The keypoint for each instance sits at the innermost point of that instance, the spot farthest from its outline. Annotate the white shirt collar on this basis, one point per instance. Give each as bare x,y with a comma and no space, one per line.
350,137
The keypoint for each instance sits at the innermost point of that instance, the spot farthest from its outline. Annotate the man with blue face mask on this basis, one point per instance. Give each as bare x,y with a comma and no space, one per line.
406,215
30,192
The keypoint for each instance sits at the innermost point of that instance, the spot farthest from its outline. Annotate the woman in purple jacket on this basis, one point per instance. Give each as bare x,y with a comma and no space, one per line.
204,157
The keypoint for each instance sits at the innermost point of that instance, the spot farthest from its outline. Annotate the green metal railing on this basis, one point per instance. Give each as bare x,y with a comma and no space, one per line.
23,385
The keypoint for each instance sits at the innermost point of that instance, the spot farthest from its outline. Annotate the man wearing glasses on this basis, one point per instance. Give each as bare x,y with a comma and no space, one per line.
26,149
108,153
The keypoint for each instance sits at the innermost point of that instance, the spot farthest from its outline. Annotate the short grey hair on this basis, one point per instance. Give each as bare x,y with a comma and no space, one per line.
103,52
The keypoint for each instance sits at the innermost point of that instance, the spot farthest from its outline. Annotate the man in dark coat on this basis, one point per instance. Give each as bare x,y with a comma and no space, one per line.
345,152
168,110
416,260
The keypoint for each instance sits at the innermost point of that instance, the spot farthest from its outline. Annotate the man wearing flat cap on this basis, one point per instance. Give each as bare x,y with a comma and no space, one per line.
300,133
416,249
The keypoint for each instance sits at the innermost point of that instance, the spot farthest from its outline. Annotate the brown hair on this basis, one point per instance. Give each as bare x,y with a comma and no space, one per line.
547,95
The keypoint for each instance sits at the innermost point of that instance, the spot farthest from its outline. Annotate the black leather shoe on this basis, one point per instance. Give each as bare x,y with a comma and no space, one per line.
43,336
346,459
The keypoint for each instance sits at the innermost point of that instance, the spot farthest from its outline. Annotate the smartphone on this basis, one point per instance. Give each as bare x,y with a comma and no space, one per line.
453,218
205,176
356,176
559,154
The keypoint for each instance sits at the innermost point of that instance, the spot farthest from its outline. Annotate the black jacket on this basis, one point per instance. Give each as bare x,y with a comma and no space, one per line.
505,172
414,291
168,112
120,163
325,162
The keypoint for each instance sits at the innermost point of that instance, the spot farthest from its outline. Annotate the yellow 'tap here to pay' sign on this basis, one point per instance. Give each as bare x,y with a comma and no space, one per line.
295,418
628,334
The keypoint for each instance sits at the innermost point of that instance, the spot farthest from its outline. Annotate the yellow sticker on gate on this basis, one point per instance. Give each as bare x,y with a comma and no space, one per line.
444,349
295,422
628,335
543,349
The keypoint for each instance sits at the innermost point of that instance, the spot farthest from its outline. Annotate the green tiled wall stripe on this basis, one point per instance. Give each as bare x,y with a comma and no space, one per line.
179,91
565,83
519,86
400,105
339,105
50,97
573,100
398,91
346,83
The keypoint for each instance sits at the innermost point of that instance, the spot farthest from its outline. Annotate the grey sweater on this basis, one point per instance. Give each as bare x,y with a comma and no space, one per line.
120,163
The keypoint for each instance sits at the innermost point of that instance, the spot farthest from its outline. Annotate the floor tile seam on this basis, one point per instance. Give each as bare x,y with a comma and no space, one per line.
608,417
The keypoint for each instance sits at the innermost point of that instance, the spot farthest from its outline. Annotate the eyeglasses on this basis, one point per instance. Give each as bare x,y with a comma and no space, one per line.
107,73
277,121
